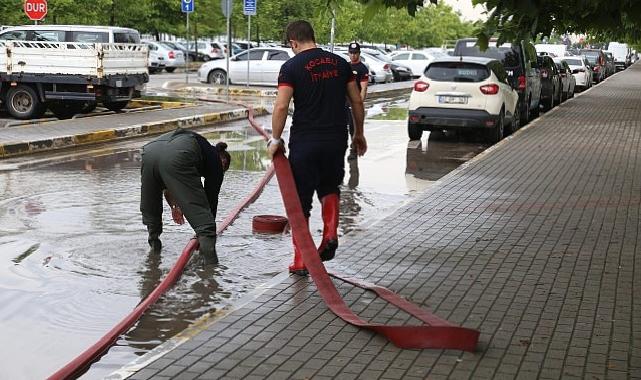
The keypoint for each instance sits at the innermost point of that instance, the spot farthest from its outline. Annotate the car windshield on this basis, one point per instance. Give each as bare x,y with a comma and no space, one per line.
574,62
457,72
508,55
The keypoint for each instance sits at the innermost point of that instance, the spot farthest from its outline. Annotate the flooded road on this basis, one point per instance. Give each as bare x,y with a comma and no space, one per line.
74,258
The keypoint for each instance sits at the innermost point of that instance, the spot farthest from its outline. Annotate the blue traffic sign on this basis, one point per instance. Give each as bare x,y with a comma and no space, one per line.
249,7
187,6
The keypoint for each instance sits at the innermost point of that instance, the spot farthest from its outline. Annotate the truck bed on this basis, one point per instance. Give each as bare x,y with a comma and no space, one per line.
72,58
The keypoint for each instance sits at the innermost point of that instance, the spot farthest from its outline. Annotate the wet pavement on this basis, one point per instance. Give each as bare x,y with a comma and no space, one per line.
75,258
534,243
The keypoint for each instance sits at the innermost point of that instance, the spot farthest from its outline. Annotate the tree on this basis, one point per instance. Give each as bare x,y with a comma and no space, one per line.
517,19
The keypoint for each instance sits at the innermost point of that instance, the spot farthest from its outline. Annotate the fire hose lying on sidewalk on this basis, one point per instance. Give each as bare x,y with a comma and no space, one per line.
434,333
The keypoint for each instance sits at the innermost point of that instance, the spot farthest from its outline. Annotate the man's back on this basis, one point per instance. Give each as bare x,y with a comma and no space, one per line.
319,79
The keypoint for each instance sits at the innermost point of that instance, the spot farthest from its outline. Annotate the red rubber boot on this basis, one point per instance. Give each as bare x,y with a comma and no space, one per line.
298,267
329,244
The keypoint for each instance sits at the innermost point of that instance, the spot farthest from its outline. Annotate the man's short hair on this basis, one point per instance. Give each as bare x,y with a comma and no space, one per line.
300,31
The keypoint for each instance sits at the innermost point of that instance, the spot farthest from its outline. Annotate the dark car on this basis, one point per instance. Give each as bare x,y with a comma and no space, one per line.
597,61
399,72
568,82
550,82
519,60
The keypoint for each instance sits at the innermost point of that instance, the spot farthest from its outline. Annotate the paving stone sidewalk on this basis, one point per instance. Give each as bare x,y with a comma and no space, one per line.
535,242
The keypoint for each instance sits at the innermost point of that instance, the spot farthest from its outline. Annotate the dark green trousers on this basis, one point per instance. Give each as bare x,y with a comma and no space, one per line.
170,162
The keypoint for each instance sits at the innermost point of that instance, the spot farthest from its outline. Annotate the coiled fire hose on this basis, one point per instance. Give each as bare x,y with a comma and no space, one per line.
434,333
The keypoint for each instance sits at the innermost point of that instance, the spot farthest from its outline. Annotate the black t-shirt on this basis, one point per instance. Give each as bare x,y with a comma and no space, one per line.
361,72
319,79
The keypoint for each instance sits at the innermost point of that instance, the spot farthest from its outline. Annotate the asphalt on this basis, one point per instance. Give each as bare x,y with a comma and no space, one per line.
534,242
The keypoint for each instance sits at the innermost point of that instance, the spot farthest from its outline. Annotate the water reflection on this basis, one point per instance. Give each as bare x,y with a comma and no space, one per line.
432,160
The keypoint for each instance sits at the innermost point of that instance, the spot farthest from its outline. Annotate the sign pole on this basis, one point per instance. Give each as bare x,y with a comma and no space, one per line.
249,22
228,5
187,52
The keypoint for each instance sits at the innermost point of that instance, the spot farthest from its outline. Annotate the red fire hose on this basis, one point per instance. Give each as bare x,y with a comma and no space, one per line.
435,333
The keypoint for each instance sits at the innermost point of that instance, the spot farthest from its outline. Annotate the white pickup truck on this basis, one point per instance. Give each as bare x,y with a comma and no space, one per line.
69,77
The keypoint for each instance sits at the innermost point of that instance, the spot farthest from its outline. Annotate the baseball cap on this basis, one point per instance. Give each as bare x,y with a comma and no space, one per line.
354,47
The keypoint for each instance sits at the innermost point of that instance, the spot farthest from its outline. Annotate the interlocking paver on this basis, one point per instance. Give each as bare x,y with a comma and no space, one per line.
533,242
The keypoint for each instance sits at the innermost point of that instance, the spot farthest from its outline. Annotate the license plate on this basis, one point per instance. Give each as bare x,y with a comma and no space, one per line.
452,99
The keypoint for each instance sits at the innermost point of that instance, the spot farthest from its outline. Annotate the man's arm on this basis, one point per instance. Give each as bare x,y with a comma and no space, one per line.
363,90
358,112
176,212
279,116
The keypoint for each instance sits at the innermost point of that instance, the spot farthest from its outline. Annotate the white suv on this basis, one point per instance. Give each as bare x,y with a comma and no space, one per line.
463,93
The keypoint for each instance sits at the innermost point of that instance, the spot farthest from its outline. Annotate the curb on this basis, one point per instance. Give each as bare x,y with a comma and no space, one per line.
101,136
238,91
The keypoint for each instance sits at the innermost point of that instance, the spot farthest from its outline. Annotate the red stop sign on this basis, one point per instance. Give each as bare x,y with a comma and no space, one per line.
35,9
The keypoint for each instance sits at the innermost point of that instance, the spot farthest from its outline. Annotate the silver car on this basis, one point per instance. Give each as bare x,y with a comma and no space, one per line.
167,58
379,70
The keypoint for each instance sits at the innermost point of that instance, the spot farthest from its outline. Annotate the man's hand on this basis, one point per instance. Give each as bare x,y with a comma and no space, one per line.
274,145
177,215
360,144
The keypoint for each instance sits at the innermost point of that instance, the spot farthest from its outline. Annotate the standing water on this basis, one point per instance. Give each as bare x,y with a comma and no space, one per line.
74,259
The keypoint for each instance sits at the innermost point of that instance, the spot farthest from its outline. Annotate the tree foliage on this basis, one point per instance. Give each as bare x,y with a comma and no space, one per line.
385,21
606,20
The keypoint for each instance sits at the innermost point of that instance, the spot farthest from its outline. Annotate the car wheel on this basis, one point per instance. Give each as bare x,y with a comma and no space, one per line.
170,69
414,132
516,120
22,102
217,77
495,134
524,112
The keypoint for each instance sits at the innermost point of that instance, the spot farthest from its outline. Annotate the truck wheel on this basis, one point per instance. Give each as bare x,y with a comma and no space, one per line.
414,132
217,77
66,110
170,69
22,102
88,107
116,106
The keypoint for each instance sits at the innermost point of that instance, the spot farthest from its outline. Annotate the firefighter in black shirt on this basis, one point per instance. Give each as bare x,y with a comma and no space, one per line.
173,164
319,82
361,72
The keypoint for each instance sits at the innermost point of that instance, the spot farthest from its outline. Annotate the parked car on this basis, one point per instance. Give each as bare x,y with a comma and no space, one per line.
568,83
399,72
622,55
209,50
264,64
379,71
610,68
597,62
458,93
173,45
519,60
558,50
581,71
550,82
416,60
172,59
